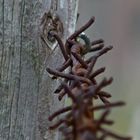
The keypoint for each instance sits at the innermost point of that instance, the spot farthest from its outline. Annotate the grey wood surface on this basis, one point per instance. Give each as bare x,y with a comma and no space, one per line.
26,90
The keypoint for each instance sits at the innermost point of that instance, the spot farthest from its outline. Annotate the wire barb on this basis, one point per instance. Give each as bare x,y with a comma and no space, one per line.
80,85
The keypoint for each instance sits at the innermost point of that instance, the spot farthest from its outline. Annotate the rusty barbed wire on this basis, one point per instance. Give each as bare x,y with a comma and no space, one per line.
81,86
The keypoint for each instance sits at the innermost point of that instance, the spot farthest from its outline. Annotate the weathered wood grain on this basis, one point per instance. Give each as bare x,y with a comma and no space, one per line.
26,97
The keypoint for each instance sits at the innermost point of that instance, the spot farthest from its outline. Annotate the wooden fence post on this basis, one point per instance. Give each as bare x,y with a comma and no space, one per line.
26,97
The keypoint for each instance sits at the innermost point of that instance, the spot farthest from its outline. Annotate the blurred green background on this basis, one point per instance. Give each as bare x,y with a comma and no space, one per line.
118,23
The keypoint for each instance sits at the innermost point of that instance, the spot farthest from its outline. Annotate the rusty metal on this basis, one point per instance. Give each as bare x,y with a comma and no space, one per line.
81,87
50,22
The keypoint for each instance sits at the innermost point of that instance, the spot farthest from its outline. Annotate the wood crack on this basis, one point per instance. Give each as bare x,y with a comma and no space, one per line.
3,38
20,59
